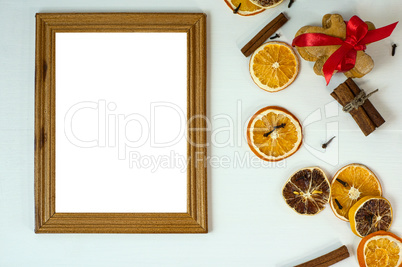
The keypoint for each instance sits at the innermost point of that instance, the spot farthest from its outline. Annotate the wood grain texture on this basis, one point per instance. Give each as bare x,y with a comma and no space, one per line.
195,220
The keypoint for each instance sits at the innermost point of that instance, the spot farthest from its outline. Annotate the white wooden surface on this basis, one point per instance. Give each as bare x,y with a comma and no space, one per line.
250,224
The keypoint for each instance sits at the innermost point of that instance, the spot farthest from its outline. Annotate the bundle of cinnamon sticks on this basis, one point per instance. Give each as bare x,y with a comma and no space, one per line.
366,115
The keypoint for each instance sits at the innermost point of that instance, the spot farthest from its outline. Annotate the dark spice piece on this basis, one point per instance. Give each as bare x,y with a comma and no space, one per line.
237,9
275,36
339,204
327,143
370,218
345,184
290,3
275,127
393,49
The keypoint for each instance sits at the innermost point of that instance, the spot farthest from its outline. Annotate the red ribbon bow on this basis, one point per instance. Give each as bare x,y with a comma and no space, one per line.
344,58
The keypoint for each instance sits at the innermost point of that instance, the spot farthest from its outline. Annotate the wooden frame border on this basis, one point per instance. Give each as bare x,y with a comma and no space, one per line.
46,219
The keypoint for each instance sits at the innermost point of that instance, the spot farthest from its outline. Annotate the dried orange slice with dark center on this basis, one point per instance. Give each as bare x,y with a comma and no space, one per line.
273,133
380,249
369,215
267,3
307,191
350,184
246,7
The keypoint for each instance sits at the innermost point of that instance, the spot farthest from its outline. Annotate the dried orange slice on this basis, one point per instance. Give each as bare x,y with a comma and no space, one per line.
247,8
380,249
350,184
307,191
274,66
273,133
369,215
267,3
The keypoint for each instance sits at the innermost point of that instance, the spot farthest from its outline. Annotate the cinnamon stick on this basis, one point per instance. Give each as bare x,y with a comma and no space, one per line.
371,111
328,259
366,120
264,34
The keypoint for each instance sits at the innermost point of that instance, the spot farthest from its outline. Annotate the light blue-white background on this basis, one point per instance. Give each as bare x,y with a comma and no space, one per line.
249,223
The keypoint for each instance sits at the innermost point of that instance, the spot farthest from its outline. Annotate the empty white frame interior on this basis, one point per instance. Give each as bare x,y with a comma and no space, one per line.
121,110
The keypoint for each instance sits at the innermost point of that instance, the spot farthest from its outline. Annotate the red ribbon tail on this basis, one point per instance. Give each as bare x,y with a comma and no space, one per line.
378,34
333,61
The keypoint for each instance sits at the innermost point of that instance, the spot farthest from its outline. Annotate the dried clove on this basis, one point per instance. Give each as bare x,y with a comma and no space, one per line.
339,204
327,143
393,49
237,9
345,184
275,36
290,3
275,127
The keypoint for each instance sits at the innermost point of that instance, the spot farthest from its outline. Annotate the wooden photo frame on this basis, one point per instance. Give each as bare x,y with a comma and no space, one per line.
47,219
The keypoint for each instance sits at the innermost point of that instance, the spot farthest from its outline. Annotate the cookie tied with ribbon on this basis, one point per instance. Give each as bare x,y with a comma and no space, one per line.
339,46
